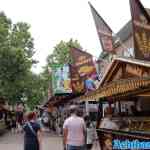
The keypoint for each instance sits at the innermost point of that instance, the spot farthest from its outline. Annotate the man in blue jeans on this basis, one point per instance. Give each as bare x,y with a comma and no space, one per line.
74,131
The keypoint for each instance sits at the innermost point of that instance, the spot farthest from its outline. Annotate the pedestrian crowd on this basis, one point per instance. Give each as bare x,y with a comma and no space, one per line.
77,130
13,118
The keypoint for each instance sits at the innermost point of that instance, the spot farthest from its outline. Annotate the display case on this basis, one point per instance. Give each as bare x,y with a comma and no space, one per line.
132,118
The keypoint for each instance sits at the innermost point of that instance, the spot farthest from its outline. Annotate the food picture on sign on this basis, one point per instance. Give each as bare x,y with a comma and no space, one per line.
85,66
61,80
87,70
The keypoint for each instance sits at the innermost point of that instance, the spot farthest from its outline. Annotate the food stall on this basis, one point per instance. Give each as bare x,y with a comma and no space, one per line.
125,89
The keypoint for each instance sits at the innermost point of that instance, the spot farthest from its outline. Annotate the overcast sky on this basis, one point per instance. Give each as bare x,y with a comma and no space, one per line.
55,20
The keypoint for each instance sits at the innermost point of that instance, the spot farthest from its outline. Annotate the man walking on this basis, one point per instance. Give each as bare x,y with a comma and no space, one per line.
74,131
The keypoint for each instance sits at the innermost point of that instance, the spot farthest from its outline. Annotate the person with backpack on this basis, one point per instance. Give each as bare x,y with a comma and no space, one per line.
32,133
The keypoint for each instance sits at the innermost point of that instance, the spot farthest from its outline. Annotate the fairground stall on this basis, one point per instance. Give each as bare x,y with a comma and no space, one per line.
125,90
68,82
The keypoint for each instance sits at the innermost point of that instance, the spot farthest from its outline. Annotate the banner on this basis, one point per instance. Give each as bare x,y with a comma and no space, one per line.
103,30
141,30
84,66
83,62
77,82
61,81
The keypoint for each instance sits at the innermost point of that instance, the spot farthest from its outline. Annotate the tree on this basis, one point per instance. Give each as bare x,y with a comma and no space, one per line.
16,51
61,54
34,91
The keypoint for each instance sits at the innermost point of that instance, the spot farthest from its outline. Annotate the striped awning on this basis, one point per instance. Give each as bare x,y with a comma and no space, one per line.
115,88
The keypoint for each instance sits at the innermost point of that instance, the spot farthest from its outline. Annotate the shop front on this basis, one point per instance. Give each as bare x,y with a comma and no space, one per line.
125,92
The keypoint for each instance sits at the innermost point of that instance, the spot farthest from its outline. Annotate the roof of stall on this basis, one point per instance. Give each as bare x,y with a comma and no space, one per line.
118,87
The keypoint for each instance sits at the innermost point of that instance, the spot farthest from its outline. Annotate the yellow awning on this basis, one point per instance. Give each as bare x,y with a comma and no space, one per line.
115,88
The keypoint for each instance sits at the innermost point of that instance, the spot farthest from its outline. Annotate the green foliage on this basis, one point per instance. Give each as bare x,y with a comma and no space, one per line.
34,90
16,51
17,82
61,54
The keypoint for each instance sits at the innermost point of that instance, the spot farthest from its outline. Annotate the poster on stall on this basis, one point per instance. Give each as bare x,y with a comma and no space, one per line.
83,61
77,82
61,81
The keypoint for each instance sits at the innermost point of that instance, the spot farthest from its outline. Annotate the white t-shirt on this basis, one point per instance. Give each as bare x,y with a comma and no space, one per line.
76,127
108,124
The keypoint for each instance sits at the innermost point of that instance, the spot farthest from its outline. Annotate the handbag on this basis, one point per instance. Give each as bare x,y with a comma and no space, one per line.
32,130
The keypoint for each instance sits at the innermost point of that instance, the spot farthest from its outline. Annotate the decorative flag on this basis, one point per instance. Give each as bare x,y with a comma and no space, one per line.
103,30
141,30
83,62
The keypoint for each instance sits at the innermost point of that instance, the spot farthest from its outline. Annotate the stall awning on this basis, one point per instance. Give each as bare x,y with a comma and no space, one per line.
61,99
119,87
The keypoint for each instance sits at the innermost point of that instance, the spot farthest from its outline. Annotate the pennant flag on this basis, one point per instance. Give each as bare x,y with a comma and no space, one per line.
103,30
83,62
77,82
141,30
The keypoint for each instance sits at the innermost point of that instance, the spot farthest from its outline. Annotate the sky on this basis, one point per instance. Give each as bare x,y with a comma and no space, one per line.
54,20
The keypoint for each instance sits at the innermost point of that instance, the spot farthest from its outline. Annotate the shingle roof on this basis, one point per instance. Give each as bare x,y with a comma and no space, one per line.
124,33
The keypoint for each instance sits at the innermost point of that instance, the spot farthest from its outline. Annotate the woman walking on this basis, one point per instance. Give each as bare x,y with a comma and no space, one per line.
32,137
90,133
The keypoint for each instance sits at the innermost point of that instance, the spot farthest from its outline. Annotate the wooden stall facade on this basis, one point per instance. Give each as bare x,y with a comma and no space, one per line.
125,83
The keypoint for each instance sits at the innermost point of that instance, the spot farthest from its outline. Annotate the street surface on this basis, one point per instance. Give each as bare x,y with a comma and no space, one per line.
15,142
11,141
